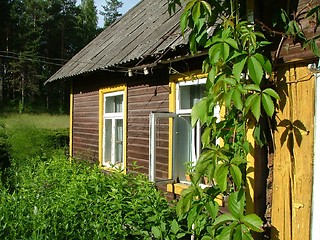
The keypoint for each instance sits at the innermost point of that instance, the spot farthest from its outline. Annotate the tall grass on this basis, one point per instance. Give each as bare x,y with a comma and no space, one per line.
35,135
42,121
47,197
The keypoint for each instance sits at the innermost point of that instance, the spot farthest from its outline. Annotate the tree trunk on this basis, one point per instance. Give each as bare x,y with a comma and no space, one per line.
1,83
21,104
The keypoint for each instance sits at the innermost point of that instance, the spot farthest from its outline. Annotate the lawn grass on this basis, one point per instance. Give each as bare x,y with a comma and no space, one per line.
34,135
42,121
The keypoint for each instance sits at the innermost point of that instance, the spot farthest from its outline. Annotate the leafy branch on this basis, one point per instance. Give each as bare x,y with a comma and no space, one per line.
238,75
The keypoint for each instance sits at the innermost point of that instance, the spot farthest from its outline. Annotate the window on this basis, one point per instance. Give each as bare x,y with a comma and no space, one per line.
113,129
188,139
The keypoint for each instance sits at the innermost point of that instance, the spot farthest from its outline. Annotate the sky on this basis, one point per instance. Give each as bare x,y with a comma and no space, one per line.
127,4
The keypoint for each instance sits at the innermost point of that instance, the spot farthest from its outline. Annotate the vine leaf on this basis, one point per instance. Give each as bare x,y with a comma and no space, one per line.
222,219
221,174
212,208
236,204
256,106
239,66
255,70
253,222
236,175
267,104
242,232
184,204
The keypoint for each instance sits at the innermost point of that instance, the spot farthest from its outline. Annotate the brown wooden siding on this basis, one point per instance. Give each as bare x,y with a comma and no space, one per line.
268,11
293,51
142,100
86,125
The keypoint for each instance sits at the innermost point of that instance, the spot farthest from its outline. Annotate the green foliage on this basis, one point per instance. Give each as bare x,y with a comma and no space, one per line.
36,135
110,11
292,28
38,37
238,70
54,199
5,157
44,196
88,21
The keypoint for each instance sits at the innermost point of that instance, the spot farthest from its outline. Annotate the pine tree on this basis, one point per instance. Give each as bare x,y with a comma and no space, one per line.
24,67
110,12
88,21
4,37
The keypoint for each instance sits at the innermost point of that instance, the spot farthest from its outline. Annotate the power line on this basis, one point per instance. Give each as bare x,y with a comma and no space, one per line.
33,60
30,55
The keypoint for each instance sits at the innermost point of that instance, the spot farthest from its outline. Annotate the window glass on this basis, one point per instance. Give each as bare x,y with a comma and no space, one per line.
107,140
113,104
190,95
183,146
118,141
188,146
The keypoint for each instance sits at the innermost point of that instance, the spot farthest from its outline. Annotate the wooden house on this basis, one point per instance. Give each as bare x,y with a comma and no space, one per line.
137,77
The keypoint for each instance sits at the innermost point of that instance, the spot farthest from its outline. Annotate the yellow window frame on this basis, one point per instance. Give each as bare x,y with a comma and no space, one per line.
102,92
177,188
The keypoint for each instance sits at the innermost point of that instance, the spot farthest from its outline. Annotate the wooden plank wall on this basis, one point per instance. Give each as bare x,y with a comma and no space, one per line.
143,99
85,125
292,179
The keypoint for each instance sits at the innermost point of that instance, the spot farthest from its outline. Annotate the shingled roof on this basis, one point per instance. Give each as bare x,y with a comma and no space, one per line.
144,31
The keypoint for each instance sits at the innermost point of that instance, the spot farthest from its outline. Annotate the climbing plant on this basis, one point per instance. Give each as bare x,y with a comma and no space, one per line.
238,74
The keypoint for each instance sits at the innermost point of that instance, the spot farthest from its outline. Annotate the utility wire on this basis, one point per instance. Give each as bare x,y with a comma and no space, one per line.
32,60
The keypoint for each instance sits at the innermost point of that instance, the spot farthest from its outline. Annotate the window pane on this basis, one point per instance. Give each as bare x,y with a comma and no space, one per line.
107,140
113,104
118,103
191,94
119,141
183,146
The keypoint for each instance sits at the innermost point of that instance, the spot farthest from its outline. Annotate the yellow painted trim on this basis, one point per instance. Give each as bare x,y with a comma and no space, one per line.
178,187
250,182
101,108
172,108
188,76
71,123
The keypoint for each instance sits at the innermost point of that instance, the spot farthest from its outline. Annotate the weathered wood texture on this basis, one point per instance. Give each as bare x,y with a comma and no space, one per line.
293,51
147,30
268,11
85,125
292,179
143,99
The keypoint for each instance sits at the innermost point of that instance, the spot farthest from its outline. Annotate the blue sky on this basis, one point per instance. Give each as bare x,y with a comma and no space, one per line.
127,4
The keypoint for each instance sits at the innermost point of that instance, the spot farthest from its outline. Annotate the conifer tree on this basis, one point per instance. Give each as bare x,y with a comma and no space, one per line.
111,12
88,21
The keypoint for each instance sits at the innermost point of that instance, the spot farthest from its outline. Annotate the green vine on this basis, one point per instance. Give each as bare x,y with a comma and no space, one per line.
238,78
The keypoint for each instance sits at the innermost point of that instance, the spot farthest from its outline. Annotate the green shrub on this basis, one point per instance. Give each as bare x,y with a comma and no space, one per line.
4,153
54,199
30,141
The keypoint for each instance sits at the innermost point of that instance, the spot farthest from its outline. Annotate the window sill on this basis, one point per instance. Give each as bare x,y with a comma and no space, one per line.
116,168
177,188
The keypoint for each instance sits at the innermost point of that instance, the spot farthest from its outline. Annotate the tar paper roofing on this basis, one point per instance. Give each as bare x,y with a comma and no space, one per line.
145,30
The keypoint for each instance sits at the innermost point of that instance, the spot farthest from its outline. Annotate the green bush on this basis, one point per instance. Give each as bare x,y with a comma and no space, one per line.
30,141
54,199
4,153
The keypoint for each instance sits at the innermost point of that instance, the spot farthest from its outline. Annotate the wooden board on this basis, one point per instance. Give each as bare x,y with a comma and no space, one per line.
292,185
